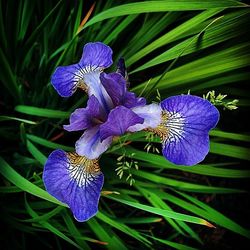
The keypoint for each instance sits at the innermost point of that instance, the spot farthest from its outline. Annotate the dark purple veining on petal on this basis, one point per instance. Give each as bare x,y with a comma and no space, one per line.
189,120
119,120
84,118
74,181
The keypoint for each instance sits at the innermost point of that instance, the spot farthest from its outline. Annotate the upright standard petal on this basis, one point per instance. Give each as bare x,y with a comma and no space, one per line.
96,55
84,118
118,122
186,122
90,144
74,180
94,86
115,85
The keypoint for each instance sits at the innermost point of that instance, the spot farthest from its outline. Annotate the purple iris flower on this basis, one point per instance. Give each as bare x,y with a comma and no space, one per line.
75,178
182,122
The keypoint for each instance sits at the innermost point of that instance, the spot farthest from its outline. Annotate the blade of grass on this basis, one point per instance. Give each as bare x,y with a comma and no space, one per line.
37,154
75,233
45,216
8,77
224,29
7,118
48,113
174,34
162,212
50,227
220,218
181,185
231,136
48,144
122,227
230,150
160,6
158,202
172,244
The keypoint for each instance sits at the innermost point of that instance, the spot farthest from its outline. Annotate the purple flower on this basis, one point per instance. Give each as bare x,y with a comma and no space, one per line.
85,74
74,180
184,129
182,122
100,123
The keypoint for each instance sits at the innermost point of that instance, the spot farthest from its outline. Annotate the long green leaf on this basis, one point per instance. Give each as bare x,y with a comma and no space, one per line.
230,150
35,111
160,6
48,144
50,227
224,29
162,212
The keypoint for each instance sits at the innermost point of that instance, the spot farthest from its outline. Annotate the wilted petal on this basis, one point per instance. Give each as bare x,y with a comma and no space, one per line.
66,79
74,180
88,117
90,144
119,120
151,115
188,120
96,55
121,68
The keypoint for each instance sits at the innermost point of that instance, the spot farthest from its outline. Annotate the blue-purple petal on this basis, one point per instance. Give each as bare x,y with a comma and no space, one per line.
84,118
66,78
118,122
75,181
96,55
130,100
90,144
115,85
189,120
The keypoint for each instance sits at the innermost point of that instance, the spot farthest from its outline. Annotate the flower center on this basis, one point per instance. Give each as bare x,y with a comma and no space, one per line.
171,127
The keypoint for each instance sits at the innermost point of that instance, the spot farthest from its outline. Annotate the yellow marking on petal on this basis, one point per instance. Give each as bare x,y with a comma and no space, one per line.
91,166
82,85
161,130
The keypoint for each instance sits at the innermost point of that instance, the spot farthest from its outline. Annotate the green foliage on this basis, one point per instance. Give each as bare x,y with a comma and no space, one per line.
170,47
219,100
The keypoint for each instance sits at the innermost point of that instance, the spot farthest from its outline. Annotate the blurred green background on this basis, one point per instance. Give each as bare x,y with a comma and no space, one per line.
171,46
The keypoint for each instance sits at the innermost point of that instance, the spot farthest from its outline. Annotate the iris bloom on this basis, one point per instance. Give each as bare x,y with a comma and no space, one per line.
182,122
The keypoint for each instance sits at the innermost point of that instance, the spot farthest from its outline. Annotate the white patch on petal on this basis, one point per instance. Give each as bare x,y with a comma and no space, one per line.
82,170
175,127
151,115
92,80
